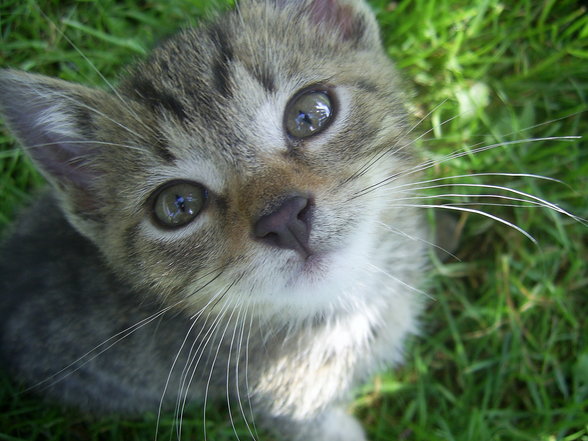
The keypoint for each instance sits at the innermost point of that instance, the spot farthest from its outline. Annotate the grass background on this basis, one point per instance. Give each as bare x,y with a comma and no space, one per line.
504,354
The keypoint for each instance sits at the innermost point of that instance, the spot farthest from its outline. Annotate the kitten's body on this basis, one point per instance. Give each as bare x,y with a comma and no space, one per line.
216,307
84,308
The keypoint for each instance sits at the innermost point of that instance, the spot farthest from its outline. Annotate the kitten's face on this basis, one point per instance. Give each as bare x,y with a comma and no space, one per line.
274,112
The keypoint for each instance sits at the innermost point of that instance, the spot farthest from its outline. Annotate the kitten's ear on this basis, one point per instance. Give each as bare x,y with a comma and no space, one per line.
53,120
352,19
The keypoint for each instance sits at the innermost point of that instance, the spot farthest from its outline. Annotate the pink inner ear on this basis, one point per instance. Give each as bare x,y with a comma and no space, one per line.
332,13
64,157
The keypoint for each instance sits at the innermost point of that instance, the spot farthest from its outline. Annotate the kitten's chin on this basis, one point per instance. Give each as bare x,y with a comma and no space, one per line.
315,268
320,283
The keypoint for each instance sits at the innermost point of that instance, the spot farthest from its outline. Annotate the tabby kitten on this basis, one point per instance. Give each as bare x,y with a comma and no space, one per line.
211,229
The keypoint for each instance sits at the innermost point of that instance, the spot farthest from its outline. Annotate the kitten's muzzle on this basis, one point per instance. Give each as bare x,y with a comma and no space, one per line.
287,226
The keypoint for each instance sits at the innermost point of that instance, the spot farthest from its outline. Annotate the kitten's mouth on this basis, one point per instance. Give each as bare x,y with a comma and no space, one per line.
313,262
304,250
313,267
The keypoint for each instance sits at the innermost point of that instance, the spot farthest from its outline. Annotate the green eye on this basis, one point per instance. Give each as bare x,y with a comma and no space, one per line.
177,204
308,114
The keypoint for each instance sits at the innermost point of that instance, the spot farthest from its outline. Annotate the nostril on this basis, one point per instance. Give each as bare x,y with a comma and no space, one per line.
271,239
288,226
304,214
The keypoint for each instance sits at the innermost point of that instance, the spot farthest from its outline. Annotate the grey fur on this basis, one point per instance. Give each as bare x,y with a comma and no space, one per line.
87,264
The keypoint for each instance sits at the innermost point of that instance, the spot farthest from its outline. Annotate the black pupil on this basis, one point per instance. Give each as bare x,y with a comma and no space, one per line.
303,117
180,203
182,208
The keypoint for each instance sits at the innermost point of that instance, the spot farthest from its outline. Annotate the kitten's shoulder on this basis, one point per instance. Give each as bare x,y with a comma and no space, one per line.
39,235
42,259
58,300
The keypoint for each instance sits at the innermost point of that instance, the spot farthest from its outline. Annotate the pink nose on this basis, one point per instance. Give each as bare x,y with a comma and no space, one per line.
287,227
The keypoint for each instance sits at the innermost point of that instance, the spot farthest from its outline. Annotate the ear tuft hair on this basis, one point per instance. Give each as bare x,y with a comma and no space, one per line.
352,20
333,14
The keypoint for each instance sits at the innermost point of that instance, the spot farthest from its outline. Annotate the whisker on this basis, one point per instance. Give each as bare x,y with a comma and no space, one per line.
452,156
471,210
102,114
239,401
491,204
461,153
161,401
247,388
95,69
90,355
480,196
110,144
417,239
228,395
195,320
374,160
215,358
195,360
527,197
396,279
541,124
475,175
394,148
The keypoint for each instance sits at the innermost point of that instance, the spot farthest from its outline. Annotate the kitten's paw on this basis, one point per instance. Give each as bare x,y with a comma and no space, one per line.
333,425
338,425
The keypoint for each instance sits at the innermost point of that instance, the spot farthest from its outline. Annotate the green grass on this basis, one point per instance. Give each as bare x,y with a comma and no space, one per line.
504,351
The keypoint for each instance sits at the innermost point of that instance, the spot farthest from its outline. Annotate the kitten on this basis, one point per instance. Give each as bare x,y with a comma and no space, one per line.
211,229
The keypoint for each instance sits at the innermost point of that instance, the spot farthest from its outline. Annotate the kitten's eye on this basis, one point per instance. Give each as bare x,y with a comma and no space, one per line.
308,114
177,204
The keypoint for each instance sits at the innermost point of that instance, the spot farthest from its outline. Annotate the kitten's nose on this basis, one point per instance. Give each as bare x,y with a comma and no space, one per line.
288,226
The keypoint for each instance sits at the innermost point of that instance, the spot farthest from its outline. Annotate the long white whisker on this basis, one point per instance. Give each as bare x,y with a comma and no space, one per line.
395,148
247,388
195,360
102,114
477,196
105,346
529,198
237,380
213,364
161,401
418,239
95,69
194,321
396,279
492,204
475,175
110,144
209,307
471,210
458,154
237,321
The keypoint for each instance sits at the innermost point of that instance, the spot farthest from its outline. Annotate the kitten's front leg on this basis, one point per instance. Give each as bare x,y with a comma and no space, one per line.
334,424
